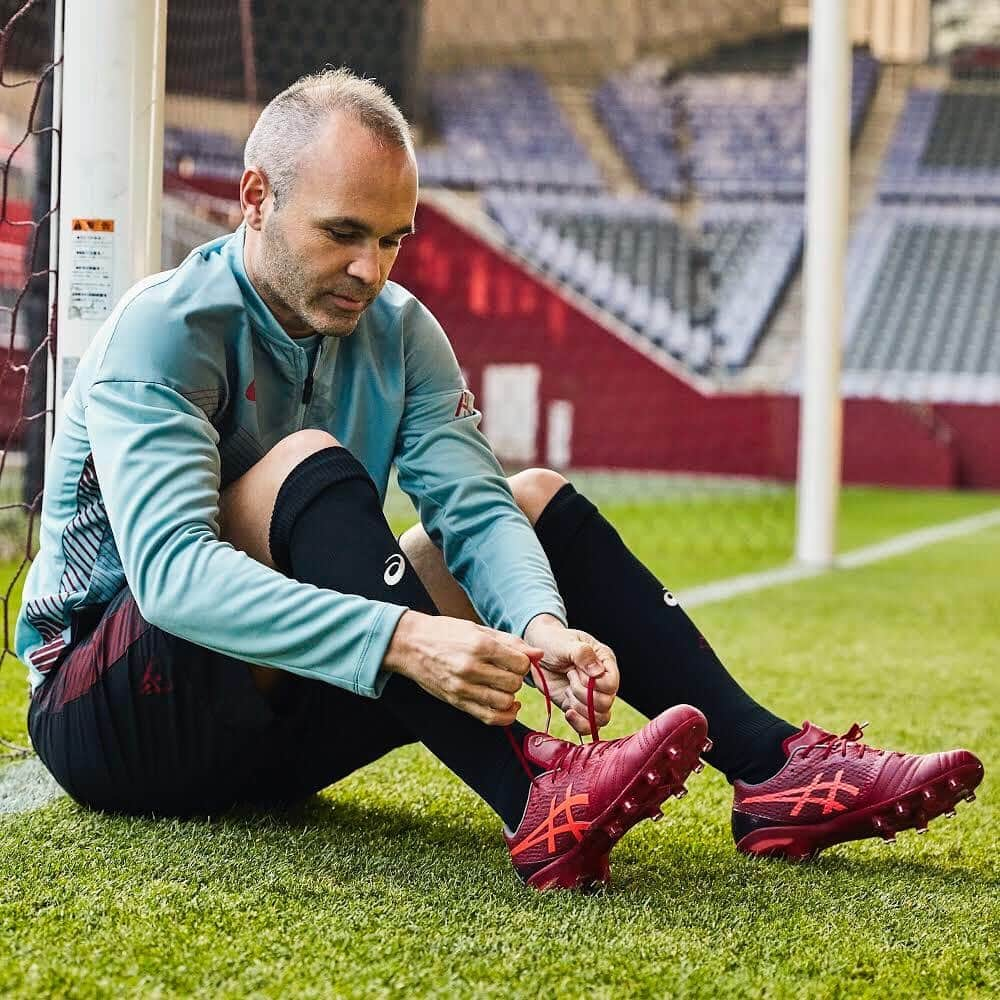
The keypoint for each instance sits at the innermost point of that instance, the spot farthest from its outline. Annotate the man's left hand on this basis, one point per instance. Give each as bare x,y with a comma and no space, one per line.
571,658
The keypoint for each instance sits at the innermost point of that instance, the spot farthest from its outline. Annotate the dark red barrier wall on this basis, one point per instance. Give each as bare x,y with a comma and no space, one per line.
631,413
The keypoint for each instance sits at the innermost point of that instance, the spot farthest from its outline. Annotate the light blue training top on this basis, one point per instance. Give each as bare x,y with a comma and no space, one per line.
189,382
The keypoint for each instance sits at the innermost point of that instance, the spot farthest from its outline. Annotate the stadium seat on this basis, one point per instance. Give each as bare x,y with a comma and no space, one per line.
747,129
923,317
633,259
946,148
501,128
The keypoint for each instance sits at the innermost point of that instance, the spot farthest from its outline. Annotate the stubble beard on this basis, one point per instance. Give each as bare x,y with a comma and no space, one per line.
283,277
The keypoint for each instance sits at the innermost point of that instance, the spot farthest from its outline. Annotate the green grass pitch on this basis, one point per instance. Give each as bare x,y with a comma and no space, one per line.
395,882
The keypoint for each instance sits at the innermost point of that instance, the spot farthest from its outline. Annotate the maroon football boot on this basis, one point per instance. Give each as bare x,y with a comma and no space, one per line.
588,796
836,788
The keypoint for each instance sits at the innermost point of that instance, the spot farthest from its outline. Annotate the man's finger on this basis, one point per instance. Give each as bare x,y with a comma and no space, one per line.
607,657
603,700
505,658
609,680
601,718
510,653
585,658
486,713
490,675
513,642
578,722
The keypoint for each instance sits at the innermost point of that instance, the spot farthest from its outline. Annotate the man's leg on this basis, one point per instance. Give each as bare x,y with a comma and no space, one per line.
311,511
663,658
565,815
788,800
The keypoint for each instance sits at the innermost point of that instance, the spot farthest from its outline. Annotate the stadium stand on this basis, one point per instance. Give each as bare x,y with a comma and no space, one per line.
946,148
754,252
923,320
214,158
639,115
632,258
966,33
501,128
746,130
922,282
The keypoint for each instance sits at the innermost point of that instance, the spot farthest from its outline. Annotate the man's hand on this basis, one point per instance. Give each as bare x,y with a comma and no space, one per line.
474,668
570,659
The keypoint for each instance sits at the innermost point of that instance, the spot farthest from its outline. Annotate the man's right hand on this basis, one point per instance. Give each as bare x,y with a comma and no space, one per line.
474,668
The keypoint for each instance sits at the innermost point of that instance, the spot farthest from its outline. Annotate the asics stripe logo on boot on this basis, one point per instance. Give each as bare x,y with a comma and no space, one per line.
801,797
547,831
873,793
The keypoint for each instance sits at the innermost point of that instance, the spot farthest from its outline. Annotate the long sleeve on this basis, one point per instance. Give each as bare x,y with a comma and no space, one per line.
448,469
157,462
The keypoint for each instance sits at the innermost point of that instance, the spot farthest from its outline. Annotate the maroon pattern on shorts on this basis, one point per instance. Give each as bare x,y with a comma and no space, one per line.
86,662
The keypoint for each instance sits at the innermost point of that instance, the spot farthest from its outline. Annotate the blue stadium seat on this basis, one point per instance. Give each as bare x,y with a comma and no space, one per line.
946,148
634,260
923,317
501,128
747,129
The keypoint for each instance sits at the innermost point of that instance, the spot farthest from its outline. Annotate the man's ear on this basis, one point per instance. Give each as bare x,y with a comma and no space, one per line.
254,189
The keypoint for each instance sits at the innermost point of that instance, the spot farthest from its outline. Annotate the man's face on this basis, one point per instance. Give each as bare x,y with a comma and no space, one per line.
320,258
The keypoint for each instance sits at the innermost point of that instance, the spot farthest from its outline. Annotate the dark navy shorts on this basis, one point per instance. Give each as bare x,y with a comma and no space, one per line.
137,720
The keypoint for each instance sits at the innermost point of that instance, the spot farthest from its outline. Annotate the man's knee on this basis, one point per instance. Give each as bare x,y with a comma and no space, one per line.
246,505
297,447
534,488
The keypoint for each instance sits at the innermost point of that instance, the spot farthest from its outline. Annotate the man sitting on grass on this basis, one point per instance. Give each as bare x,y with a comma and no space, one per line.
220,614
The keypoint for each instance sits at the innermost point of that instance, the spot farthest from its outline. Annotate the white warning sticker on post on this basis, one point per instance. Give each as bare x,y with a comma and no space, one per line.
91,278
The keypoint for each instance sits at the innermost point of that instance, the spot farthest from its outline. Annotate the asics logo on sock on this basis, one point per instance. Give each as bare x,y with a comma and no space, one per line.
817,793
549,829
395,567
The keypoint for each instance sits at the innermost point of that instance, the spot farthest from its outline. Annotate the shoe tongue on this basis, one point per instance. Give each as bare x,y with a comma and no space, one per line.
543,750
808,736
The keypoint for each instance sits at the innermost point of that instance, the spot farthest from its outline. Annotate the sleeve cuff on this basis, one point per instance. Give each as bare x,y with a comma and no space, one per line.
560,614
370,678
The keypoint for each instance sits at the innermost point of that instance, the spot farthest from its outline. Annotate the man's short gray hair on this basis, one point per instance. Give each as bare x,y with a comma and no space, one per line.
291,120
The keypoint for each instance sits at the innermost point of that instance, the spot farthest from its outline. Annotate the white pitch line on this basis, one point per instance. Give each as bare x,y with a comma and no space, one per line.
749,583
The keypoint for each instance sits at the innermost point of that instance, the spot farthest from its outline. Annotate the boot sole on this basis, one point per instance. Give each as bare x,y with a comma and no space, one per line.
913,809
662,776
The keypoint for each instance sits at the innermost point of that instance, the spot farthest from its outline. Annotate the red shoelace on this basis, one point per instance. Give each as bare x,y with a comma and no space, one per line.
852,738
566,760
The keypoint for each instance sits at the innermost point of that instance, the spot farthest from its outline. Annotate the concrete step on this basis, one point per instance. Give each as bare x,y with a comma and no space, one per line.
876,136
574,100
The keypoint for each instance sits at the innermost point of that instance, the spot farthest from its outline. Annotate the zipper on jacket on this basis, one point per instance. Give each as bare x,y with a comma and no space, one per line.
307,386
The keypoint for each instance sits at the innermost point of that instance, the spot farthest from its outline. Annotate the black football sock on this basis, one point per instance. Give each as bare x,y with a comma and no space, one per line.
328,529
663,659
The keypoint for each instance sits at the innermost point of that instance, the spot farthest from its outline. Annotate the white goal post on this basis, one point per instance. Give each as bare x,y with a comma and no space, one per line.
110,157
827,181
